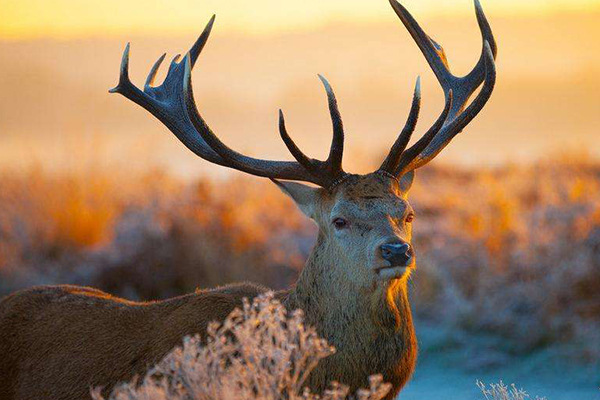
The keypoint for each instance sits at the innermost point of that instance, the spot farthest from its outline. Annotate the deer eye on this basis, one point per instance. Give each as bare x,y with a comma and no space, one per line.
410,218
340,223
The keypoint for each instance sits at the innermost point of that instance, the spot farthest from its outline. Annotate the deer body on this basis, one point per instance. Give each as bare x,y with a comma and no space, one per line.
102,341
62,340
57,342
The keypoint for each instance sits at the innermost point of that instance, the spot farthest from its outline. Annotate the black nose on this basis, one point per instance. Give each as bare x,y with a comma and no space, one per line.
398,254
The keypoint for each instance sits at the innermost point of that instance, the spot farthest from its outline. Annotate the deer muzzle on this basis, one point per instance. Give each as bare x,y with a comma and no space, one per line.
398,254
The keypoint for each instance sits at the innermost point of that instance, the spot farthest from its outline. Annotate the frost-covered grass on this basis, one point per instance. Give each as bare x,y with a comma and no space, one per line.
499,391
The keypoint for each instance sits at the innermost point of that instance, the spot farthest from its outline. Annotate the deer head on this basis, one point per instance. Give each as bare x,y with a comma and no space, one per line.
365,221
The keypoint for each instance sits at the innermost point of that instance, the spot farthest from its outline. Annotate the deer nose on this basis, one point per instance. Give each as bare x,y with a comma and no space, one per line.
398,254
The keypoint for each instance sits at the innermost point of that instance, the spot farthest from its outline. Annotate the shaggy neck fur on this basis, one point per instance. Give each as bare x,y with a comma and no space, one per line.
371,328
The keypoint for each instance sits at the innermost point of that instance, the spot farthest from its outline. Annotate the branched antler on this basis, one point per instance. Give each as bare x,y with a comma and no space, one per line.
456,115
172,102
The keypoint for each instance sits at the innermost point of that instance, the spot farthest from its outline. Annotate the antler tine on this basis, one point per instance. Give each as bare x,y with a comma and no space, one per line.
486,36
409,155
153,71
391,161
201,41
124,86
336,152
306,162
433,52
457,90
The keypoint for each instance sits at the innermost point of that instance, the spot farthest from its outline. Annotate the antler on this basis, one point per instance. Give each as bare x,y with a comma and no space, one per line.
457,90
173,104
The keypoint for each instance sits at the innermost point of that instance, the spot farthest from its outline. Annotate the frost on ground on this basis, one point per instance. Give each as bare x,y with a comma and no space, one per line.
500,391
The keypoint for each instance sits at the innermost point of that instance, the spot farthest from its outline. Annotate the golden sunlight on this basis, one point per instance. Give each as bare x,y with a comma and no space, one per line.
73,18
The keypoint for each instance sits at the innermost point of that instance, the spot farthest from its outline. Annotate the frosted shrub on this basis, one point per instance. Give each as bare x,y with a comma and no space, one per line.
259,352
500,391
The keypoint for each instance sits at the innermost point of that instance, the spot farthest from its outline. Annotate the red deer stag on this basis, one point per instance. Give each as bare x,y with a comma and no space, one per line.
57,342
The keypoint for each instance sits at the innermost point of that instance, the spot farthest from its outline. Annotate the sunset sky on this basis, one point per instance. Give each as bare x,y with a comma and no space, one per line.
55,88
75,18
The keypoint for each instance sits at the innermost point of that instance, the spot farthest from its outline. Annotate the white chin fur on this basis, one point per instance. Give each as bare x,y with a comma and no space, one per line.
391,273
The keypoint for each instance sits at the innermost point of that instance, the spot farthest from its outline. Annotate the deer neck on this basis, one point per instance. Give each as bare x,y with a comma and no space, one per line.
358,322
337,307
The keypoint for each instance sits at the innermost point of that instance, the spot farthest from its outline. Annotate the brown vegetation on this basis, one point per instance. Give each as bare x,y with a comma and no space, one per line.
514,252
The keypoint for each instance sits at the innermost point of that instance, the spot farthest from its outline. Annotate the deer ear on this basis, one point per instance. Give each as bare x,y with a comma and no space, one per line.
406,181
304,196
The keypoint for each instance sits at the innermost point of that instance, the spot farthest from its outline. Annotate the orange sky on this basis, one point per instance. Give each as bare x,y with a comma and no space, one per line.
545,100
76,18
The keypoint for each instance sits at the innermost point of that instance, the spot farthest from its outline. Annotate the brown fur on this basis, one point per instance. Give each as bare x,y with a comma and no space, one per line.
57,342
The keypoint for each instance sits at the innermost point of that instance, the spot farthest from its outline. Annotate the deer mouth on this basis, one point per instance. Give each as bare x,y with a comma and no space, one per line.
392,272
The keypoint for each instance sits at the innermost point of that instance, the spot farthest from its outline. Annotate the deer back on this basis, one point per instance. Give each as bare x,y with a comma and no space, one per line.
62,340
